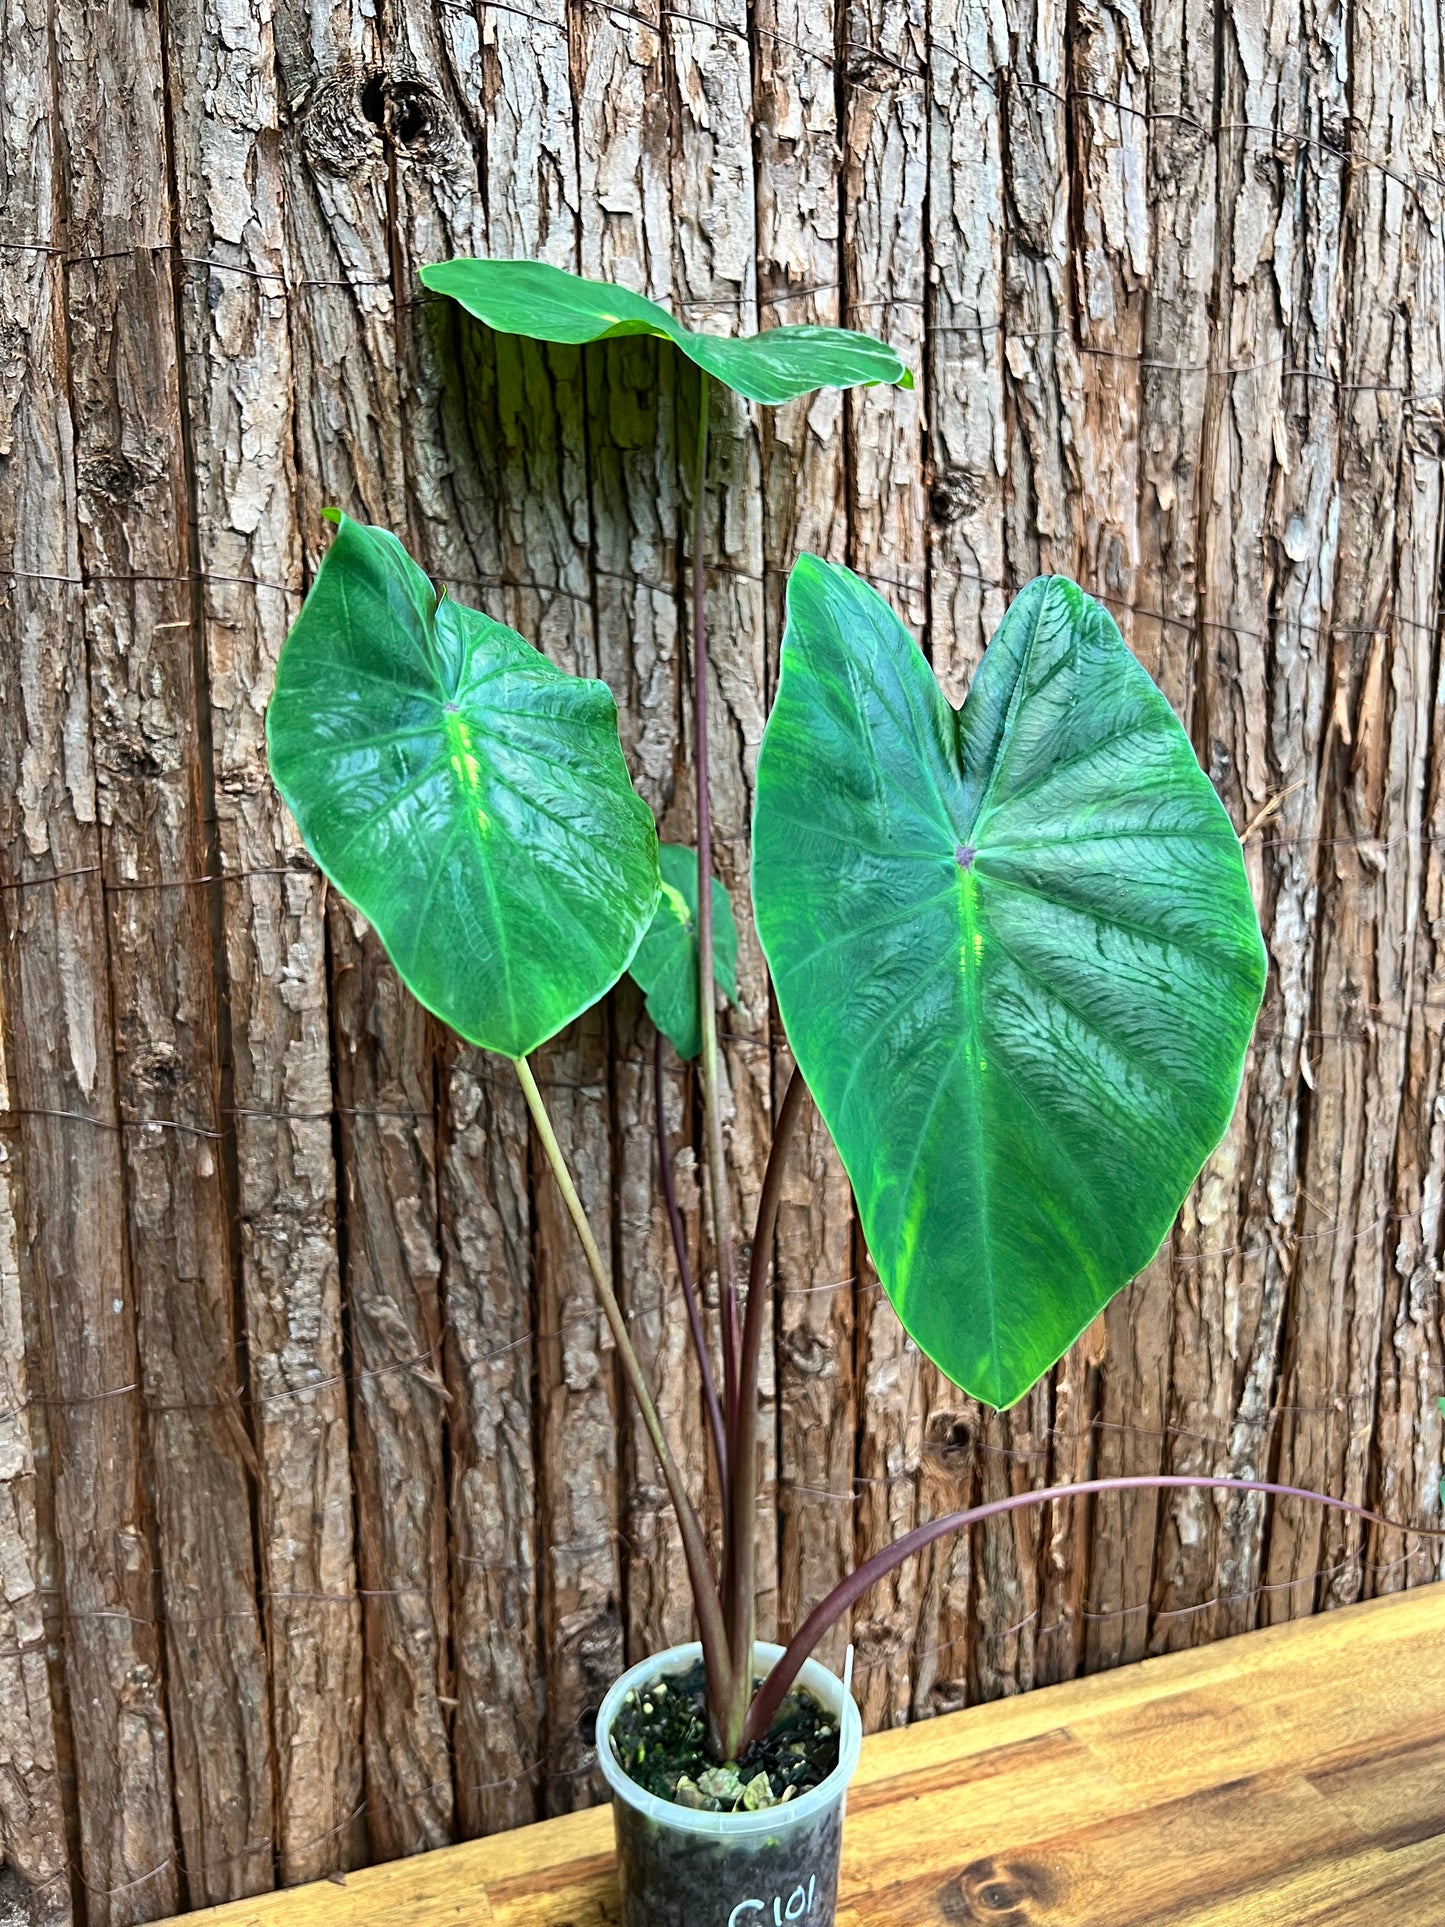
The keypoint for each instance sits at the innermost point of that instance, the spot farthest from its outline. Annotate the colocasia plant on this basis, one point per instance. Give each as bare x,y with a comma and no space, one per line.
1013,945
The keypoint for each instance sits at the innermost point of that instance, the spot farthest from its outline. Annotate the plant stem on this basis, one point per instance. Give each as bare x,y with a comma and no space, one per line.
850,1590
707,996
711,1631
689,1289
740,1578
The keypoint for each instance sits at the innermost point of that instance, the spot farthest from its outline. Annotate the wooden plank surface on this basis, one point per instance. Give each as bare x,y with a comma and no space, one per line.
1294,1775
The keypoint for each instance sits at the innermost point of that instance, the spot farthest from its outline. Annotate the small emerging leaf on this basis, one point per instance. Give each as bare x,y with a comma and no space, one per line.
548,304
467,796
723,1784
758,1794
1015,953
665,967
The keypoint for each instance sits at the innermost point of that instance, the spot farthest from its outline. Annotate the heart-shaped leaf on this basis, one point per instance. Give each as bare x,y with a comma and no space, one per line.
665,966
1015,954
548,304
469,798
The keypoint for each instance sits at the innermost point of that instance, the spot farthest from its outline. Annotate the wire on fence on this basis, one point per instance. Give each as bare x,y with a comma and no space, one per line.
855,304
550,1762
430,1358
938,576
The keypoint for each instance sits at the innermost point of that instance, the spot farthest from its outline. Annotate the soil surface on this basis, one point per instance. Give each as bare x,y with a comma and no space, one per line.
659,1739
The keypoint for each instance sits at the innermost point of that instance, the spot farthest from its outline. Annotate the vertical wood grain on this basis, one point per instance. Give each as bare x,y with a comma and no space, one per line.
59,1051
714,266
881,49
385,1091
359,104
490,1308
1269,540
804,487
1407,1446
1175,343
440,71
238,336
32,1816
633,447
37,531
135,525
328,1541
1369,881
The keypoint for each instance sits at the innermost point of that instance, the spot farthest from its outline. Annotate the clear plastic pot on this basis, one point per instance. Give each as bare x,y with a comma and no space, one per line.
681,1868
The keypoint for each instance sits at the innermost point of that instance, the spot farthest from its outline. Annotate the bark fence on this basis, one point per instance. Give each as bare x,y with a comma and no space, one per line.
323,1523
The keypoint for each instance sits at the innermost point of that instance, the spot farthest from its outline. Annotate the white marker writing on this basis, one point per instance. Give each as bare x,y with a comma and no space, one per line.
799,1902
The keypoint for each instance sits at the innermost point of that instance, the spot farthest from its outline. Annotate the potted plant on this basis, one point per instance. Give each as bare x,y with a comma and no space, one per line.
1015,955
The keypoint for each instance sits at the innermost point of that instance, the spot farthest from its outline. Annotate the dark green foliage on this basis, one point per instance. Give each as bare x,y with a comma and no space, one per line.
1016,955
468,797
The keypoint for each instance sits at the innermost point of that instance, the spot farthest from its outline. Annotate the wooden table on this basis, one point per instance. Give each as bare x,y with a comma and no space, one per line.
1291,1778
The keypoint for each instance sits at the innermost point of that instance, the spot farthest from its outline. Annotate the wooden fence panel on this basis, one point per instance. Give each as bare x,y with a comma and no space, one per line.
155,846
323,1518
805,509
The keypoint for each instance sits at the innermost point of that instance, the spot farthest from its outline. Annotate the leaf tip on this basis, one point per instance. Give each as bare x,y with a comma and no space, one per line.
905,380
807,564
333,515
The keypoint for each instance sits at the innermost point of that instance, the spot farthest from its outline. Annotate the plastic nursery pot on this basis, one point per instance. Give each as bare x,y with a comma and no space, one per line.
681,1868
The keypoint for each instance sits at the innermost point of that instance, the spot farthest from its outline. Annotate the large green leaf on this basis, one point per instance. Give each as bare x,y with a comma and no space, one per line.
665,966
468,797
1015,954
548,304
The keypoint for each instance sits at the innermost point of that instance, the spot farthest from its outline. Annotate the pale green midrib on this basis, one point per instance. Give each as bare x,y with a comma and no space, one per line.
454,717
466,765
973,1020
583,929
489,884
678,904
907,1235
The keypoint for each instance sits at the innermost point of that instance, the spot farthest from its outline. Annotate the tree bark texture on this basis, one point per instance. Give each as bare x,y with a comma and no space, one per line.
324,1521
